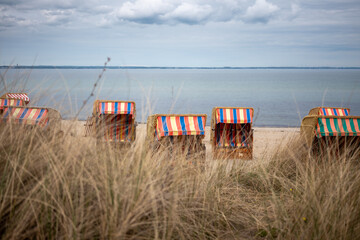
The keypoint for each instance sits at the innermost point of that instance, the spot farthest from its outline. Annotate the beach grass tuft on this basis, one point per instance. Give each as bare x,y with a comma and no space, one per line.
71,187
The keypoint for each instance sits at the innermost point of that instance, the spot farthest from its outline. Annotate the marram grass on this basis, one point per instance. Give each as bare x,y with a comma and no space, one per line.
71,188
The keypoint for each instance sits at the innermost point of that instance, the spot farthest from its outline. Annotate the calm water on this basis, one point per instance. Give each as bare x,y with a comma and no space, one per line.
280,97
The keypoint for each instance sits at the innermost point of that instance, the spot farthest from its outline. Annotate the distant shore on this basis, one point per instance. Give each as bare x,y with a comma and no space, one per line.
158,67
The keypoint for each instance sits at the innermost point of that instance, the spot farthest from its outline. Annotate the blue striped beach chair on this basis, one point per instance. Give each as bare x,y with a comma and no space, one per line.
113,121
33,117
231,132
181,133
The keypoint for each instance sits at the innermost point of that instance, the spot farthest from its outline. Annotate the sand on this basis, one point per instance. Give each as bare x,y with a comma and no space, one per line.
266,140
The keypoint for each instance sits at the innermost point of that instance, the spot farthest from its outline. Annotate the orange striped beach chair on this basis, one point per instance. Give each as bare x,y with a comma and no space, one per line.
335,133
113,121
181,133
19,96
44,118
232,133
330,111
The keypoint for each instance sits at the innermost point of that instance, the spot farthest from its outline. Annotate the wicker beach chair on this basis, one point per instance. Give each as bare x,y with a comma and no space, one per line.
113,121
232,133
335,134
21,96
5,102
330,111
178,133
43,119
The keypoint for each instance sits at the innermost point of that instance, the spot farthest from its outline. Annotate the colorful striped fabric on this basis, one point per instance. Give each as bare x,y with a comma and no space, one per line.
338,127
25,115
234,115
232,135
22,96
11,103
116,108
179,125
334,111
118,128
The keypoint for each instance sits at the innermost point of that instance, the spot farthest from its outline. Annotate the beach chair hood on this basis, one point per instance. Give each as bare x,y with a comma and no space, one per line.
233,115
323,126
22,96
114,107
180,125
330,111
162,125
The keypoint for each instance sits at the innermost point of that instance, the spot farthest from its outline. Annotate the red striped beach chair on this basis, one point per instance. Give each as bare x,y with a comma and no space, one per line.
113,121
336,133
232,134
33,117
4,102
330,111
21,96
181,133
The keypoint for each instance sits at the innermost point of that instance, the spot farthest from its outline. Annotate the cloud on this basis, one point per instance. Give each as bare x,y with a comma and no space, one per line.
109,13
146,12
143,11
57,17
163,12
189,13
261,12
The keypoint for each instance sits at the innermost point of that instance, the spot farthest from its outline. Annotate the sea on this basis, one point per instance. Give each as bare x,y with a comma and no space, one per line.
281,97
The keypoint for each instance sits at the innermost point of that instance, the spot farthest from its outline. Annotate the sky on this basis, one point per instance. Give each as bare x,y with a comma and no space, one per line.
181,33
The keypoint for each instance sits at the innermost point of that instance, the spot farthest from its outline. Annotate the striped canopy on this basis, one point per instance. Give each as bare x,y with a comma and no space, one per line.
337,127
234,115
326,111
116,108
22,96
25,115
10,102
180,125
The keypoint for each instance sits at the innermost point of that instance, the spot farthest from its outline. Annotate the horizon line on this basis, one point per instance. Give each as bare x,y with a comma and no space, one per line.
157,67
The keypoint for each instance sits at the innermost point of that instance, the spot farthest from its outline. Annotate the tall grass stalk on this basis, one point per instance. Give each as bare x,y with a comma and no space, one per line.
72,188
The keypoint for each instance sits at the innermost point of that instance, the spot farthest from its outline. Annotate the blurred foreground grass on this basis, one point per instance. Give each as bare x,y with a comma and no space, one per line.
54,188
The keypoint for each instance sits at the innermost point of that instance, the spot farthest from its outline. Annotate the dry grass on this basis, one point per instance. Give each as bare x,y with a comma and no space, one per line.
69,188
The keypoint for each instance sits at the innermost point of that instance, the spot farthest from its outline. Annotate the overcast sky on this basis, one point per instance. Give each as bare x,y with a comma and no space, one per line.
192,33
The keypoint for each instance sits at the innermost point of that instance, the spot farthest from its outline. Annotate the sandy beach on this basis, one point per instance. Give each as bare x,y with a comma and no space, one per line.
266,140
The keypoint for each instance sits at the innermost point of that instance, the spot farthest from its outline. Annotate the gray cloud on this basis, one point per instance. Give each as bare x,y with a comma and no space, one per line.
80,13
261,12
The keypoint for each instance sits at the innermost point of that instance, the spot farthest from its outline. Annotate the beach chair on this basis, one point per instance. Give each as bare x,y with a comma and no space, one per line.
33,117
337,134
232,133
113,121
330,111
178,133
20,96
5,102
